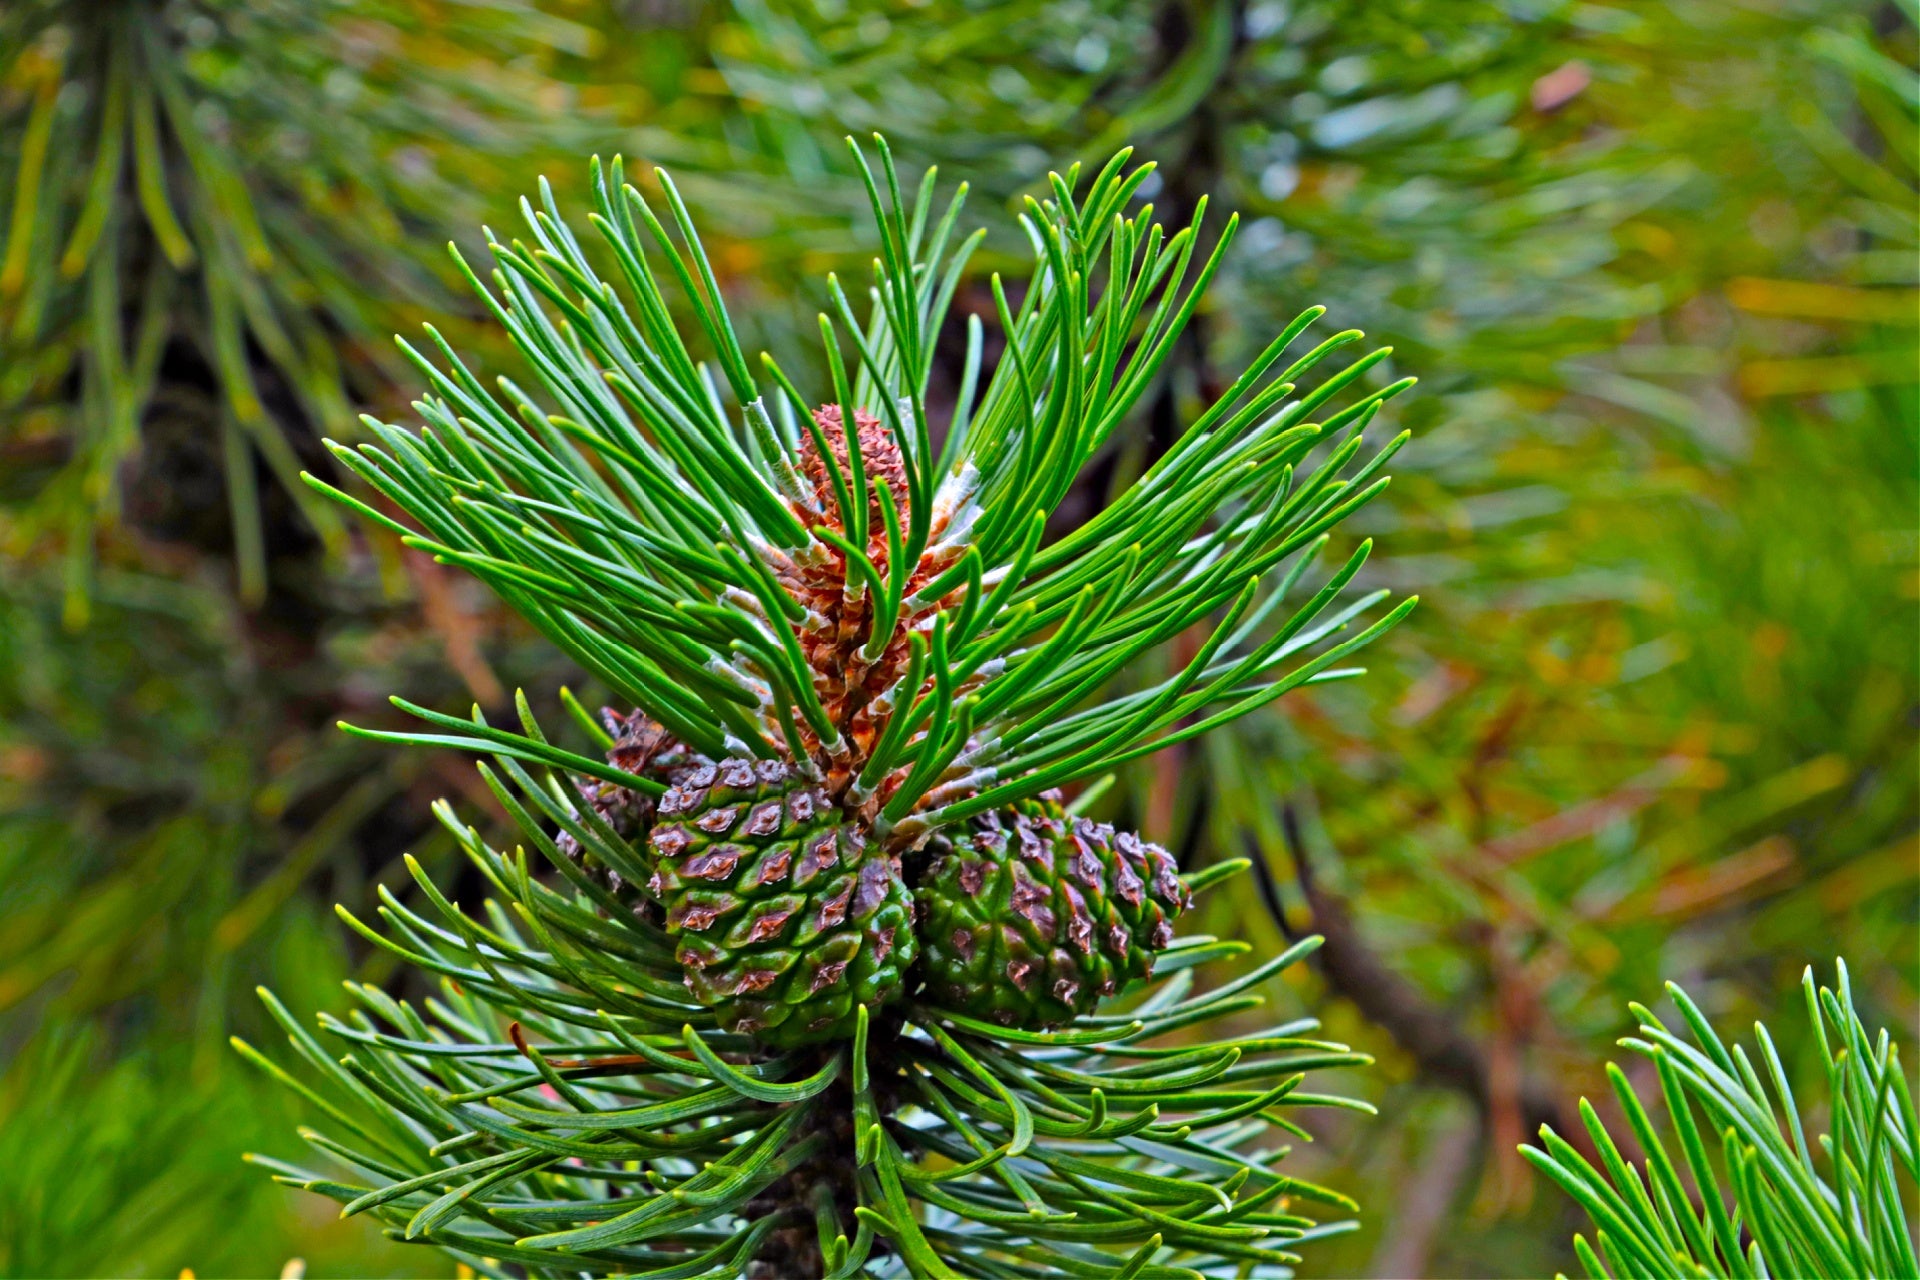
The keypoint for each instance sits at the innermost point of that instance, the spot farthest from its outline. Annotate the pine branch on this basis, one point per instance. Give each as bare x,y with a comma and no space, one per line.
1777,1200
806,978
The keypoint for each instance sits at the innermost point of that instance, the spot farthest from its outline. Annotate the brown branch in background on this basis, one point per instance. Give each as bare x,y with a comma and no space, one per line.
1429,1034
1425,1203
1582,820
460,632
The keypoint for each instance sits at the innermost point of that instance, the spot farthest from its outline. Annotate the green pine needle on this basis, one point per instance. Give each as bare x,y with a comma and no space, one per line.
1770,1204
651,520
562,1107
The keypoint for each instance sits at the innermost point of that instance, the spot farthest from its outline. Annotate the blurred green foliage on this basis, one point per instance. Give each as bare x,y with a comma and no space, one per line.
257,184
1654,263
125,1164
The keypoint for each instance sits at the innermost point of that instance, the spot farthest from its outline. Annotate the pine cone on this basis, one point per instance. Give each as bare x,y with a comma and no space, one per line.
879,458
840,620
640,746
1030,917
786,917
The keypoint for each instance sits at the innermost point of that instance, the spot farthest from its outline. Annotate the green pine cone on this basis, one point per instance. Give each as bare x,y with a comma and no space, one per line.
1030,916
639,746
786,918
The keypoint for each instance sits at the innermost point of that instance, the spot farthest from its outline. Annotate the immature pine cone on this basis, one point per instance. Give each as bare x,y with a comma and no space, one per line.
786,916
1029,916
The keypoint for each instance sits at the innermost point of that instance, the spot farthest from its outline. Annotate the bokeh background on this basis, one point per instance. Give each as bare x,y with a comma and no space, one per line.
1654,264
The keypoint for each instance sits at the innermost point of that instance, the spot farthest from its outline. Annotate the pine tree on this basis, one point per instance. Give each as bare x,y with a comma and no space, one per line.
703,1028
